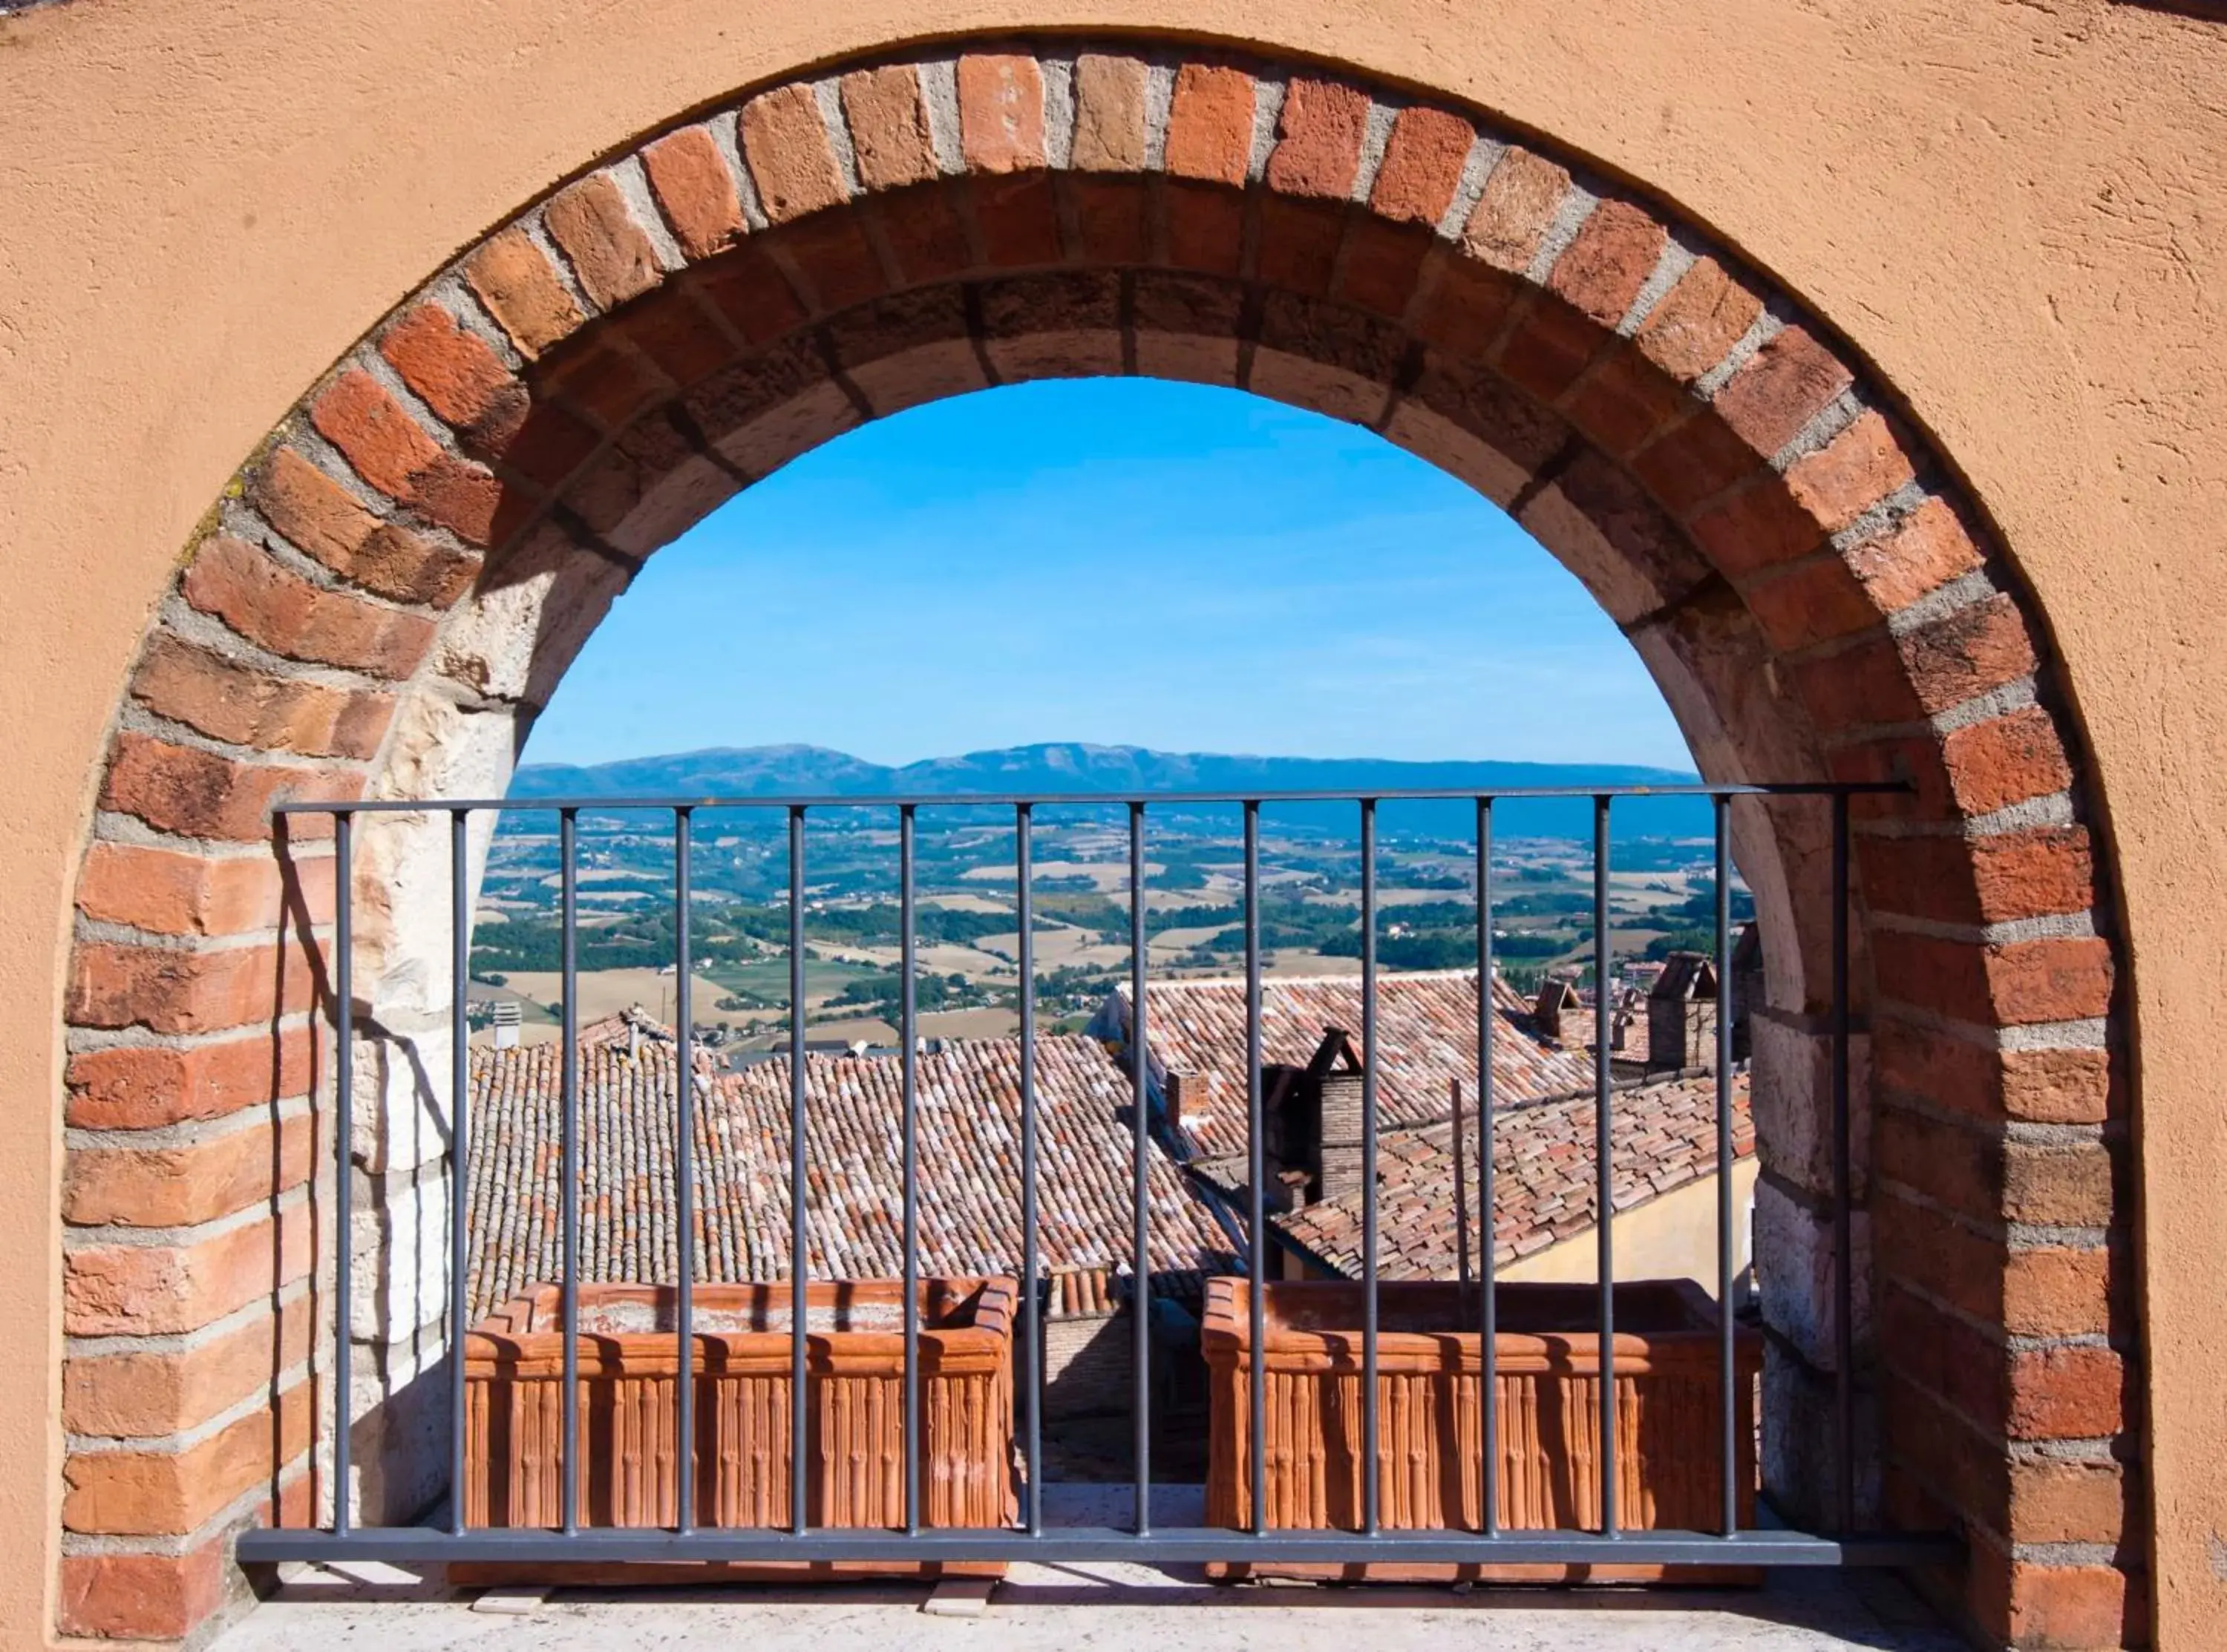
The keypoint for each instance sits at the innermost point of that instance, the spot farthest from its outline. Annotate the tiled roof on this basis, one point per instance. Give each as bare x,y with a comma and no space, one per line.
1664,1136
970,1167
1425,1038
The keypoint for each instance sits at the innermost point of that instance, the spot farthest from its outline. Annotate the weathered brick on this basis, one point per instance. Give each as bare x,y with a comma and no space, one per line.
689,179
1509,221
1982,1175
1210,124
1298,243
1787,383
1922,553
1205,227
128,1596
1109,113
610,253
136,1395
1624,401
1113,219
390,451
457,375
198,793
1705,313
228,700
1849,474
786,146
678,335
2042,1086
317,516
1000,113
1381,264
2057,1291
608,383
177,1186
2005,759
1018,220
151,1493
155,1290
1757,528
1549,348
113,983
829,252
1318,136
172,892
2029,1604
754,295
2069,1390
1693,461
1977,648
1815,600
923,231
2026,1498
888,120
143,1087
1422,166
1602,270
514,279
1465,305
2041,871
2017,983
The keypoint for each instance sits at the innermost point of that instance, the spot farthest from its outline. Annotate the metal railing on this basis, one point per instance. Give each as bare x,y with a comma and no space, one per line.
1491,1541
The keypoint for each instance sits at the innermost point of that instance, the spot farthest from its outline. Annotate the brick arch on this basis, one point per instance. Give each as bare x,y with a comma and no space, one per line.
401,574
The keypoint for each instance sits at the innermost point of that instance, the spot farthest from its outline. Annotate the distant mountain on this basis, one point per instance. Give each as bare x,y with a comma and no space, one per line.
796,770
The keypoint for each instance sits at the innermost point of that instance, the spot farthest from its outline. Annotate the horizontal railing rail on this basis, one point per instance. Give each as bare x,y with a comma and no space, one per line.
689,1537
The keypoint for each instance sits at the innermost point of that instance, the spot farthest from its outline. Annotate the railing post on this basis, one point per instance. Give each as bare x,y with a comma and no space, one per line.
343,1156
1728,1376
1488,1225
1844,1332
568,1166
1141,1295
1605,1197
1256,1170
1031,1304
684,1164
909,1032
1371,1395
460,1158
799,1416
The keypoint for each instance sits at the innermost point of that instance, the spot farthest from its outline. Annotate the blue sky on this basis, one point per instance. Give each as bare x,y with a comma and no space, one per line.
1122,561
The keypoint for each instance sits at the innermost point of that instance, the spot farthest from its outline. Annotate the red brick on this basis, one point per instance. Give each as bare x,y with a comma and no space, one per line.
1855,471
1980,1174
1018,219
1812,601
514,279
1205,228
1958,1267
753,295
1298,243
889,126
923,231
156,1290
1756,528
2057,1291
1694,459
2072,1391
2059,1501
2042,1086
550,445
1510,218
227,700
1705,313
137,1395
1109,113
695,190
1549,347
198,793
2017,983
1971,652
393,455
2042,872
1210,124
1383,265
1465,305
1113,219
143,1494
2025,1603
678,335
830,255
1624,402
1319,132
1000,113
457,375
1922,552
317,516
143,1087
1787,383
174,893
142,1597
178,1186
1602,270
610,253
2005,759
1422,167
113,983
785,144
608,383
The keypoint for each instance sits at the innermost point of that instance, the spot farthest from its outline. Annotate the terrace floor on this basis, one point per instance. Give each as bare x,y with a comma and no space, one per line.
1105,1607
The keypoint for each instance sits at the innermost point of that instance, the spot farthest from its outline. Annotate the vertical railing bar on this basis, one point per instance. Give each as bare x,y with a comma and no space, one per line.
1844,1331
684,1130
569,1163
1371,1398
1487,1228
1033,1305
1605,1195
459,1033
1727,1444
1256,1171
799,1415
343,1151
1141,1291
908,1012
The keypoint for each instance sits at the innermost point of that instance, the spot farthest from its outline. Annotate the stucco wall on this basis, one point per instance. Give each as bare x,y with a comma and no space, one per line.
1673,1237
2009,210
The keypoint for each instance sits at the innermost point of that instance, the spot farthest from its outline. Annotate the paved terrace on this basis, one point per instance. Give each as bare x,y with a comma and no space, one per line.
1107,1607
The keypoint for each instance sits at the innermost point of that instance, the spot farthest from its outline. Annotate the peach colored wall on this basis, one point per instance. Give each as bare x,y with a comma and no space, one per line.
2012,212
1672,1237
